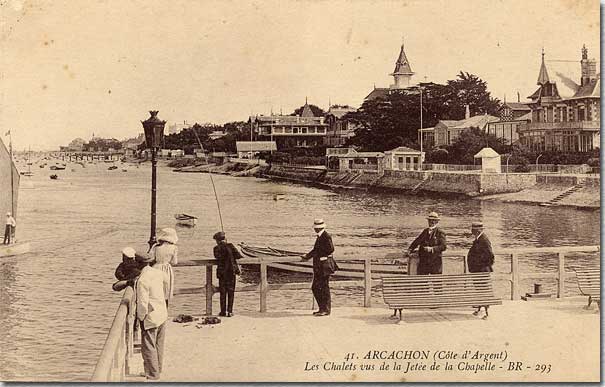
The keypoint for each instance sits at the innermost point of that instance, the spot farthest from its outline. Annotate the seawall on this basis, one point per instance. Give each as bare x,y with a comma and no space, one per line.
575,190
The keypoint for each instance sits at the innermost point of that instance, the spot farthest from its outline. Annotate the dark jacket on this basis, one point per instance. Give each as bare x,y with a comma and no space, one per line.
323,248
480,257
127,270
226,255
436,240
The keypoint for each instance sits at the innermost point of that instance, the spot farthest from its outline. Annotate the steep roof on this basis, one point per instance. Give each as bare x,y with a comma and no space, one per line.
378,92
402,66
307,112
591,89
543,76
478,121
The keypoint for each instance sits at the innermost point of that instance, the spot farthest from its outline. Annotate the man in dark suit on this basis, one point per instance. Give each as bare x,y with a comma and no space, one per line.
431,242
480,256
227,268
323,267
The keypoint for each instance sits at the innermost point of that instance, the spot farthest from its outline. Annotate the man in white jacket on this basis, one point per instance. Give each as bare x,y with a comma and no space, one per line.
152,312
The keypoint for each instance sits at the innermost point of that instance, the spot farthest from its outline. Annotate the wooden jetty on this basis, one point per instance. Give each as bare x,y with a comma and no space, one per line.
272,346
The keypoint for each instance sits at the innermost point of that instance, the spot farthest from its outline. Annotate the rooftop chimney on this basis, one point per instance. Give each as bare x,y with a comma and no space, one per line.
467,113
589,68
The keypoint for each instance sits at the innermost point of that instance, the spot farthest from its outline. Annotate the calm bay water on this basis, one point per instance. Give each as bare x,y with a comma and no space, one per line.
56,303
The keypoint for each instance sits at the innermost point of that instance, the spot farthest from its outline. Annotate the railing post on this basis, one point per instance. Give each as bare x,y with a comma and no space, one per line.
561,284
209,289
264,287
129,337
367,283
514,276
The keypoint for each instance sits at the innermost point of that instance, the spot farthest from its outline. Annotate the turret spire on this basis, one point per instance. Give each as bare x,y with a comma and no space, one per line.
543,76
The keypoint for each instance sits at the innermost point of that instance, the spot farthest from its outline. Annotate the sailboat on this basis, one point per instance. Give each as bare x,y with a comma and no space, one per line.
9,194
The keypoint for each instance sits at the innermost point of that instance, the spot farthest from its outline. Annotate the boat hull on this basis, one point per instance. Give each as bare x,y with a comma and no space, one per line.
14,249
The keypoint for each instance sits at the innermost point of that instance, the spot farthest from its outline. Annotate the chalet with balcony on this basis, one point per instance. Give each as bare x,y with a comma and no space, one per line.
446,131
512,116
565,116
251,149
301,131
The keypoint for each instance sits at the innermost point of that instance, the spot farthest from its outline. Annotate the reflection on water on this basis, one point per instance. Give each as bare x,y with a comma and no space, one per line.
57,304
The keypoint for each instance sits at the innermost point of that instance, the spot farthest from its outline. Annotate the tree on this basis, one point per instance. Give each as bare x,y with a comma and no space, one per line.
384,123
470,142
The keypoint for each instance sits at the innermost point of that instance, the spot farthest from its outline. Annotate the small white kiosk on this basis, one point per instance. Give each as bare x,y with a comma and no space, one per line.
490,160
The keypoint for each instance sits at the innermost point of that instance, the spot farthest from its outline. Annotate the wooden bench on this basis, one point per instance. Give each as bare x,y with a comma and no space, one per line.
438,291
589,282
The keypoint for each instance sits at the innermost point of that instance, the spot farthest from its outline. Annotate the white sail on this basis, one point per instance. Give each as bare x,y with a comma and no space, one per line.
9,182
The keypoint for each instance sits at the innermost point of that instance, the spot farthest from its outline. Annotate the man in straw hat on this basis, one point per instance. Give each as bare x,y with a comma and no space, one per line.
480,257
152,314
431,242
9,229
323,266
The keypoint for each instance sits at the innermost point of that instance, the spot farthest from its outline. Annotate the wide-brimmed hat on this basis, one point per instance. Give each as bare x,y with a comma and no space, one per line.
477,225
433,216
129,252
8,213
143,258
219,236
319,223
168,235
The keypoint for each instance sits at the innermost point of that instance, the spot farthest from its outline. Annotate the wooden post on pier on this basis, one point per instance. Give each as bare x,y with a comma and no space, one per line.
264,287
367,283
514,276
561,284
209,290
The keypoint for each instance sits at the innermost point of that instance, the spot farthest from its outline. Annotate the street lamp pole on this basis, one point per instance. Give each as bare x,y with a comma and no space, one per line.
421,128
154,133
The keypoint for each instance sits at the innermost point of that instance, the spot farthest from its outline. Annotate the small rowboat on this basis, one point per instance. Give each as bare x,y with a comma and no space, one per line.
185,220
347,268
54,177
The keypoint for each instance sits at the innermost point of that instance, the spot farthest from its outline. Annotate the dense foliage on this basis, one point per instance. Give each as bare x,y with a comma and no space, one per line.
385,123
102,145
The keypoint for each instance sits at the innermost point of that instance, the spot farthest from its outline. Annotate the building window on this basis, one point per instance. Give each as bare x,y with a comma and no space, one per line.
288,130
303,130
321,130
295,130
311,130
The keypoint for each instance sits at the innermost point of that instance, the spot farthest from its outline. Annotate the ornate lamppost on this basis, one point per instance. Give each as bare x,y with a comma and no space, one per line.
154,134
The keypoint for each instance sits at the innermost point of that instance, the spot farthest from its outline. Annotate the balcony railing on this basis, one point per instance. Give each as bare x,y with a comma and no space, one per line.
569,125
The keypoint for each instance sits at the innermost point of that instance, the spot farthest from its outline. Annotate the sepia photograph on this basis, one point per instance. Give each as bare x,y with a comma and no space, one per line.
300,191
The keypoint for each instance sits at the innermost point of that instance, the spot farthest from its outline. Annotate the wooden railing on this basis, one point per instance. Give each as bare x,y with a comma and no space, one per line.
115,360
514,276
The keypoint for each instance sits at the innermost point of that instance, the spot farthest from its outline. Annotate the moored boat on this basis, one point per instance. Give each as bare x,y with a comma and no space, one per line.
347,268
185,220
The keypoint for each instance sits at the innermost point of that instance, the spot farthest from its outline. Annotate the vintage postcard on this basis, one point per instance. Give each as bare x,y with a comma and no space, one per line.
300,191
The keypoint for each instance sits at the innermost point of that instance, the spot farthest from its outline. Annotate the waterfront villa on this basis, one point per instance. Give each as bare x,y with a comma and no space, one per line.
300,131
250,149
565,115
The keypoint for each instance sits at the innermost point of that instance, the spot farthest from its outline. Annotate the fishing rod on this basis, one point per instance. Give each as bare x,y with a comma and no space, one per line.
211,180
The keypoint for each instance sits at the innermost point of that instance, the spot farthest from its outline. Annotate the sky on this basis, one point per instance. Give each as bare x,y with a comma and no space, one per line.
73,68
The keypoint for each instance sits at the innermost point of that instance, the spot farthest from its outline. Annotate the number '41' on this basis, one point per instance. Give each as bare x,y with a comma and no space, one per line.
349,356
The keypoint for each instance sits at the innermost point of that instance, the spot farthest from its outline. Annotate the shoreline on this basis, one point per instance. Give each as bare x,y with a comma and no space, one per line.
580,192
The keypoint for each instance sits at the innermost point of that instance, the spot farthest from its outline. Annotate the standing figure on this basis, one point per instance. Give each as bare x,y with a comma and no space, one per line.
480,257
431,242
323,266
127,271
165,254
226,255
152,315
9,229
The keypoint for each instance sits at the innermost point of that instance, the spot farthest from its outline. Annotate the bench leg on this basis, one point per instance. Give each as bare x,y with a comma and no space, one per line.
486,312
399,316
589,302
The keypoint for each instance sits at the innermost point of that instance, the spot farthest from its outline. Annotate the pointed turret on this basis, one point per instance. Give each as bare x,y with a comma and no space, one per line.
543,76
403,71
307,112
